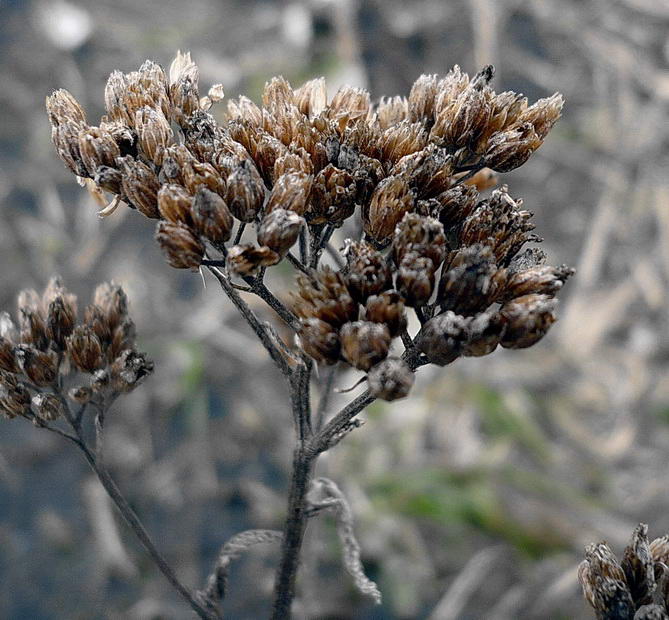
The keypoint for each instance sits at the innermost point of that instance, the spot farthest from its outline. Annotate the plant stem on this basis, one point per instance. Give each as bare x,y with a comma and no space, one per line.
135,524
293,534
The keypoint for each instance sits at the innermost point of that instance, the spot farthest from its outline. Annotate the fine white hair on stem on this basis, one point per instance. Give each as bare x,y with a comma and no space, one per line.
326,495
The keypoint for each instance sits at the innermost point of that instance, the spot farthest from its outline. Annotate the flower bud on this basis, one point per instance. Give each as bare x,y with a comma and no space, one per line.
181,247
443,338
84,349
368,271
279,230
245,192
211,217
364,344
319,340
174,204
527,319
140,186
390,379
47,407
246,259
391,199
415,279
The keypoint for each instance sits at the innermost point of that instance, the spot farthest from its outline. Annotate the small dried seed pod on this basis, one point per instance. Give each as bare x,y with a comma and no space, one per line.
507,150
388,309
123,337
484,333
154,133
97,148
391,199
245,192
181,247
390,379
96,318
421,235
246,259
8,361
291,191
333,195
109,179
174,204
129,370
60,320
112,300
85,349
324,296
638,566
527,319
14,396
61,107
415,279
33,328
211,216
279,230
543,280
543,114
40,367
47,407
364,344
140,186
368,272
443,338
319,340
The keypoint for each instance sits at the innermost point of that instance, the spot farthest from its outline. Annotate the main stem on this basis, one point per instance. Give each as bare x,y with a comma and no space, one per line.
296,521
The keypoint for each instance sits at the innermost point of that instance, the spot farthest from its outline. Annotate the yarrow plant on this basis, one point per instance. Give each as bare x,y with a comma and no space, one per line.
403,183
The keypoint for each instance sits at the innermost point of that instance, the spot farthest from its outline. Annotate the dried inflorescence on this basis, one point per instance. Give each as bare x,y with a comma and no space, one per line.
49,344
411,171
635,588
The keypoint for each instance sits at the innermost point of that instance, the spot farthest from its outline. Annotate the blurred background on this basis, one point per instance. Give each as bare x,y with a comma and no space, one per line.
473,498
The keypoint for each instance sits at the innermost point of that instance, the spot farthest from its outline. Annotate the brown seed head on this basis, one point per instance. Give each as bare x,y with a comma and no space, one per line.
325,296
510,149
154,133
390,379
364,344
246,259
543,280
332,197
245,192
638,566
211,217
443,338
85,349
368,272
484,333
388,309
60,320
291,191
391,199
527,319
8,361
420,235
174,204
182,248
415,279
129,370
140,186
319,340
279,230
39,366
62,107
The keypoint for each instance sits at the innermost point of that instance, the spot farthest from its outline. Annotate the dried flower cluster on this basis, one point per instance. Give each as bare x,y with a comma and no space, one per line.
636,588
411,169
49,344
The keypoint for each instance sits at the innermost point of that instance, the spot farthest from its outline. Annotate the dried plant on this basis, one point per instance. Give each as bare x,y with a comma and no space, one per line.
636,588
406,181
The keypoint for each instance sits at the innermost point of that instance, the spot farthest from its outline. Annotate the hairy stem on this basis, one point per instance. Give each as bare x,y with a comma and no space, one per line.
135,524
293,533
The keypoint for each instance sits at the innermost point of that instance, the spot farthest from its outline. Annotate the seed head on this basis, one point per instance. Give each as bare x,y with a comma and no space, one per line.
181,246
319,340
390,379
364,344
279,230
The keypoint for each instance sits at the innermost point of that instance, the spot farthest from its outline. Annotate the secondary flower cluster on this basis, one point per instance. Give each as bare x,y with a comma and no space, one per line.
636,587
49,344
409,169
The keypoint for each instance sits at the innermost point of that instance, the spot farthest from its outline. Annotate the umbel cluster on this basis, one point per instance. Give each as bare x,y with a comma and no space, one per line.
50,344
405,177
